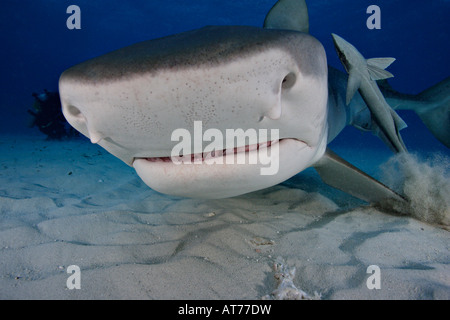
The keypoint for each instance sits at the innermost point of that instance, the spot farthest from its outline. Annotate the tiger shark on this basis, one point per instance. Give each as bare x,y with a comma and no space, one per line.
130,102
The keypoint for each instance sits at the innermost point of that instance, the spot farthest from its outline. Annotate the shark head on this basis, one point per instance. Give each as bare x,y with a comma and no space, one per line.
132,101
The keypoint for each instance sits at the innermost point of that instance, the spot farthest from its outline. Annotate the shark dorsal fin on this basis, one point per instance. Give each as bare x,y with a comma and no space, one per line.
288,15
377,66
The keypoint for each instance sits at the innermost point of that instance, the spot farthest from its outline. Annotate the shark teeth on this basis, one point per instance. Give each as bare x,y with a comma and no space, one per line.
217,154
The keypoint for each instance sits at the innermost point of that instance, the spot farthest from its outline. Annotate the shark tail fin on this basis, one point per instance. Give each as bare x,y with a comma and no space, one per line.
432,106
342,175
436,115
377,66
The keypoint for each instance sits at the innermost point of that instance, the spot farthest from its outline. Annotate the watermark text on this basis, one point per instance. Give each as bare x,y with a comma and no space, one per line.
251,146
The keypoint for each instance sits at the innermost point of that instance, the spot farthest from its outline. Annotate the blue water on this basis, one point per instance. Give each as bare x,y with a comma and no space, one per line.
37,45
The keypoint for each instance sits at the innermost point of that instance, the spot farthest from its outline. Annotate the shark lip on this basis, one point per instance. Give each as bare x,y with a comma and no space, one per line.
201,157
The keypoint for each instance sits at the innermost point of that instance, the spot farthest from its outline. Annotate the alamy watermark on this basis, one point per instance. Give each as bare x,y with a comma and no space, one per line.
74,280
374,280
374,21
252,146
74,20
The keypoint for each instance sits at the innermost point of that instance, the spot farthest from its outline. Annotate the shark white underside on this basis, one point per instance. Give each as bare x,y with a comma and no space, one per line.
131,101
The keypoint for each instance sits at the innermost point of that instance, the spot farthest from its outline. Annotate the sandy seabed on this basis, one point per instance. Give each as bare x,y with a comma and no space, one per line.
71,203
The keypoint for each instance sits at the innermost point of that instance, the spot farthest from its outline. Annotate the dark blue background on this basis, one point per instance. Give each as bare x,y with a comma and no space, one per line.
37,46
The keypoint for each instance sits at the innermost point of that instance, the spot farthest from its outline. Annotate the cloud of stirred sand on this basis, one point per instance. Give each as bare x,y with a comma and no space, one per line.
426,183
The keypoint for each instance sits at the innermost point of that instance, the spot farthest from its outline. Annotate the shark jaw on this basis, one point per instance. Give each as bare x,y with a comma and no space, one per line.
214,181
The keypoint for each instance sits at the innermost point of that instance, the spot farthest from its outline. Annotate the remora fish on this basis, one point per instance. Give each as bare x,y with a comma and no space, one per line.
362,77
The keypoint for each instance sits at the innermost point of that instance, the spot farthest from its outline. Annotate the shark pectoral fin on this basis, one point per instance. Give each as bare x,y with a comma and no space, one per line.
354,82
377,66
288,15
342,175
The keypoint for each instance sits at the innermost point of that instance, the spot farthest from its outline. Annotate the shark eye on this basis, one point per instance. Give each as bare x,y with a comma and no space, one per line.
288,81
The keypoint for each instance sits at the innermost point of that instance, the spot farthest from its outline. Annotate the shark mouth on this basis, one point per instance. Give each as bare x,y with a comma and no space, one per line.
202,157
240,170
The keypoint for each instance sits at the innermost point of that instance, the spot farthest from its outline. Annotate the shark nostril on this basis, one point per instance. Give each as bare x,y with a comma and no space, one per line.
288,81
79,121
74,111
